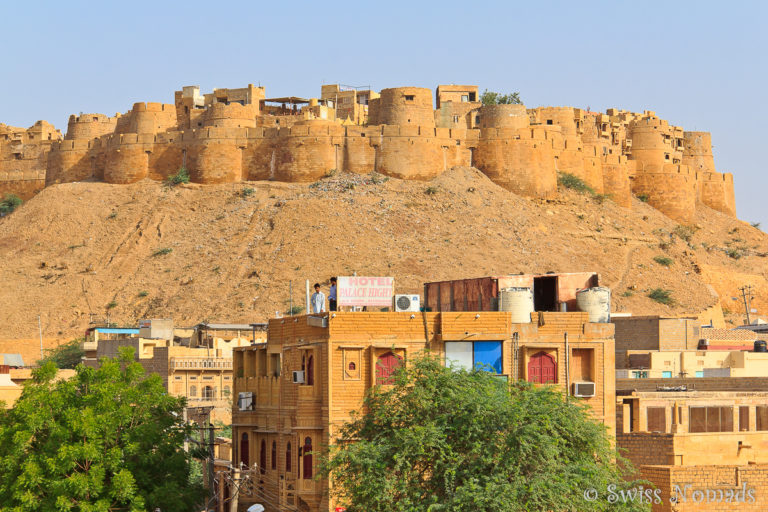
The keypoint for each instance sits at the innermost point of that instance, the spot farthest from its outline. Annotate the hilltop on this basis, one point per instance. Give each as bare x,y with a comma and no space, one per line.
227,252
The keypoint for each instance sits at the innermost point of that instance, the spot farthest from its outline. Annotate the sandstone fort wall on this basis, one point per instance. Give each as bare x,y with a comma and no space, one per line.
226,136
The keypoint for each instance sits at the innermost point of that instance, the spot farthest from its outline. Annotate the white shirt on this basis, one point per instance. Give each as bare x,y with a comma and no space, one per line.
317,302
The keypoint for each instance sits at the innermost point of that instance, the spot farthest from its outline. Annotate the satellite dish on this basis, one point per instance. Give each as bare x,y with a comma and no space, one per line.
256,508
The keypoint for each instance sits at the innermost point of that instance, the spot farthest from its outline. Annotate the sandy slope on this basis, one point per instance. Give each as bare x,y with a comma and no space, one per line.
77,249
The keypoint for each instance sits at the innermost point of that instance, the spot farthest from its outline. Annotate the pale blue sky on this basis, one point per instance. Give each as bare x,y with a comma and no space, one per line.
701,65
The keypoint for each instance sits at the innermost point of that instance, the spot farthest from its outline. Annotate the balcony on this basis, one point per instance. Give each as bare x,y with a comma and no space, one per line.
200,363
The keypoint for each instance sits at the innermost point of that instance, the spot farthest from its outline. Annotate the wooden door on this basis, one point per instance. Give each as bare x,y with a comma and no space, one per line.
386,366
542,368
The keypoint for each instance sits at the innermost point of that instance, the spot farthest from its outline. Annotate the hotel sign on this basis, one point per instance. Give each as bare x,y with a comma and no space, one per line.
365,291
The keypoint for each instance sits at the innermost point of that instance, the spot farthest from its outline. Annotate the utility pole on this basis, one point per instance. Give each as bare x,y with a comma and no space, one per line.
40,330
746,296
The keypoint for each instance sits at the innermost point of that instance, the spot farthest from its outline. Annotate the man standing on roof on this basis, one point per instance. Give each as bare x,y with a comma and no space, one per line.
332,295
317,301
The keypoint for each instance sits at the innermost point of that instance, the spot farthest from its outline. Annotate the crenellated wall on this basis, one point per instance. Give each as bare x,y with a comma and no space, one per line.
226,136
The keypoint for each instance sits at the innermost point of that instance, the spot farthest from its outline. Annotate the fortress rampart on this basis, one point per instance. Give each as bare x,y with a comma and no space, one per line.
229,136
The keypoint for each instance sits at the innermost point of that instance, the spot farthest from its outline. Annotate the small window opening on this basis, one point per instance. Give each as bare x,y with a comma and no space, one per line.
549,121
409,97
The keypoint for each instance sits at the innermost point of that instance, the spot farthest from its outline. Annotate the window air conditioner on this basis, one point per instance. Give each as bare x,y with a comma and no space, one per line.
406,303
298,377
584,389
245,401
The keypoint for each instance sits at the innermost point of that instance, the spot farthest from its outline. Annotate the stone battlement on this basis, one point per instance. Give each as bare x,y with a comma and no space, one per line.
230,135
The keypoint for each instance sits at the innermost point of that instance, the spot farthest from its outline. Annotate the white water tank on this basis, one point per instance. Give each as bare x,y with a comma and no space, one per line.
596,302
519,302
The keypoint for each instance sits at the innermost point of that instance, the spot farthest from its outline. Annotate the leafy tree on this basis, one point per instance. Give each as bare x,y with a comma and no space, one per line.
495,98
441,439
65,356
107,439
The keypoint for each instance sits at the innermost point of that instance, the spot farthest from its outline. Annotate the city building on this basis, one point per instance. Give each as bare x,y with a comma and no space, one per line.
195,363
293,393
702,441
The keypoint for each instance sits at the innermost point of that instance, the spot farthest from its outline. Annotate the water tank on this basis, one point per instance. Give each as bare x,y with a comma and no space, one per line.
519,302
596,302
760,346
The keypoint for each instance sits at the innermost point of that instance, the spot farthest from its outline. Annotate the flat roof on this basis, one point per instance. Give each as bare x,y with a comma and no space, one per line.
117,330
230,327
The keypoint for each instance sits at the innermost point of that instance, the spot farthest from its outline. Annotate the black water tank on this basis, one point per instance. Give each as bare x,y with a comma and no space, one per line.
760,346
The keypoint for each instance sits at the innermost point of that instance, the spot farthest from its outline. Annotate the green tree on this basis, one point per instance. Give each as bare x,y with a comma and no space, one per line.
107,439
443,440
65,356
495,98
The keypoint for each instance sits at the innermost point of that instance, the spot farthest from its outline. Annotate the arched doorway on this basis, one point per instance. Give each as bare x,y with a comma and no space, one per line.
542,369
386,366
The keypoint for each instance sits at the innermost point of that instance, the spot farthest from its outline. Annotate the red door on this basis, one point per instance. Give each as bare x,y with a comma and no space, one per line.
385,367
542,368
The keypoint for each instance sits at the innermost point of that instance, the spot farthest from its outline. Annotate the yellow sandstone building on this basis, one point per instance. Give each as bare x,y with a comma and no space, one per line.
293,393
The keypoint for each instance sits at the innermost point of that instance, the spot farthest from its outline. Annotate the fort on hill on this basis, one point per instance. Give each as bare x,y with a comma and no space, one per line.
233,135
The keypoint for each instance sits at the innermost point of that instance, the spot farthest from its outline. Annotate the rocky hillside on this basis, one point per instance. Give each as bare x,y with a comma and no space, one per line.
228,252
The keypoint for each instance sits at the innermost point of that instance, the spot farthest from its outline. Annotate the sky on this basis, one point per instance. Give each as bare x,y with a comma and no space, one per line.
700,65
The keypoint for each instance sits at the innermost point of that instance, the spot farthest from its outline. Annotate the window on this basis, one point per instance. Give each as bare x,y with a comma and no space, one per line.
409,97
469,355
385,368
274,365
307,458
657,419
263,457
192,390
464,98
666,375
699,373
244,459
710,419
761,417
208,392
274,455
309,370
743,418
542,369
639,375
288,457
549,121
455,119
352,367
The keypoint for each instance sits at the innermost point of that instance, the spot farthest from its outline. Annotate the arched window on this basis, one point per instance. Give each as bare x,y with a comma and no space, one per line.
244,458
274,455
352,366
288,458
310,377
263,457
192,390
307,462
208,392
386,366
542,369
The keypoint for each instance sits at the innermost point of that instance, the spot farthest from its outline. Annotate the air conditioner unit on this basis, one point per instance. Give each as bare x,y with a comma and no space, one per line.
584,389
406,303
245,401
298,377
